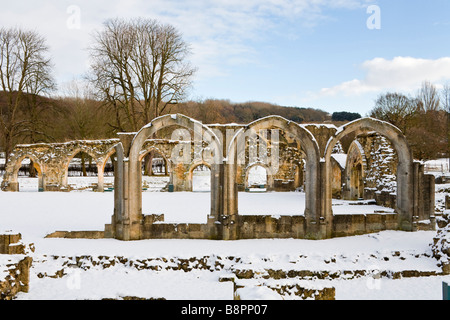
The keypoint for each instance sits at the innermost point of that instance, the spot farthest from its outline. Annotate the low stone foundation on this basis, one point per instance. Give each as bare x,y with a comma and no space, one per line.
293,279
10,243
259,227
441,243
253,227
352,224
77,234
16,277
269,226
14,266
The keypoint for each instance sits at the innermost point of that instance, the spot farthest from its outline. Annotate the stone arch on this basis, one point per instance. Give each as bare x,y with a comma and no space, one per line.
268,174
133,206
162,153
354,172
311,149
337,176
299,174
116,228
153,148
14,182
101,164
103,160
190,172
404,169
72,155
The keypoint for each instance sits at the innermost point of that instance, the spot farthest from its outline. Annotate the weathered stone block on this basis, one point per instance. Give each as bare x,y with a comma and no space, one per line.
18,279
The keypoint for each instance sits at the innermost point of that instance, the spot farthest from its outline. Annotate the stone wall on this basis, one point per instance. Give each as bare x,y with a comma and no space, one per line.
381,163
52,160
350,225
258,227
77,234
303,149
441,243
17,277
10,243
14,266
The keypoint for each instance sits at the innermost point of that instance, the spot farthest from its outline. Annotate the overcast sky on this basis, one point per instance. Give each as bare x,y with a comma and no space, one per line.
333,55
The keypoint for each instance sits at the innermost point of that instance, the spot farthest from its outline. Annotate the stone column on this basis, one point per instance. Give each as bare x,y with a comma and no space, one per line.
13,186
325,200
230,221
100,174
318,211
216,216
126,222
121,219
119,185
41,182
133,209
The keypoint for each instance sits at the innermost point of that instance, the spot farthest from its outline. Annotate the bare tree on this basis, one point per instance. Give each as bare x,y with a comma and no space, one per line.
445,97
445,100
395,108
428,97
139,68
24,69
77,108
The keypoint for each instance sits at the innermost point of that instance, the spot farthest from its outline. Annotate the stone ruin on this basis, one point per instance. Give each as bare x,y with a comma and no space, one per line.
441,242
14,265
366,159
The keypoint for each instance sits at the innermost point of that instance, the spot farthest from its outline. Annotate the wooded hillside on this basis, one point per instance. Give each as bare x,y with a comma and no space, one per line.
69,118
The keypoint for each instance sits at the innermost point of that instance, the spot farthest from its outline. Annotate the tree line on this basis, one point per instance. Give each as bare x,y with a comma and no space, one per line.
423,118
139,70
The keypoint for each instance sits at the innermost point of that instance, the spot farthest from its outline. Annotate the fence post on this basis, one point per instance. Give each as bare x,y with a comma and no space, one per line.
445,291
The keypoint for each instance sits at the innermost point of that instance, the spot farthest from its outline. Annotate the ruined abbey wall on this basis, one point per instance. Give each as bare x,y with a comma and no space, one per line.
376,164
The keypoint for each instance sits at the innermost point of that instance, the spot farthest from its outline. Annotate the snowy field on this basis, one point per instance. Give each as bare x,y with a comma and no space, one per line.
35,215
438,165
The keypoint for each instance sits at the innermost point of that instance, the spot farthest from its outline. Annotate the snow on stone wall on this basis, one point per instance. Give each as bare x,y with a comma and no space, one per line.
441,243
382,164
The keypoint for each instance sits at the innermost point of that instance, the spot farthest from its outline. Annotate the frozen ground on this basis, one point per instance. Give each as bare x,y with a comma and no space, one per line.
91,210
438,165
353,253
36,214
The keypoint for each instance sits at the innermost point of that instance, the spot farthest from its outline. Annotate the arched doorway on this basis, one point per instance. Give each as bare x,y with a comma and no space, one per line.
81,172
155,170
307,143
106,170
356,182
404,168
200,177
354,173
27,175
131,219
256,178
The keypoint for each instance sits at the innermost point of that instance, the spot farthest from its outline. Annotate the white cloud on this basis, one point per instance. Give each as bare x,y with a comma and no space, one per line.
222,32
398,74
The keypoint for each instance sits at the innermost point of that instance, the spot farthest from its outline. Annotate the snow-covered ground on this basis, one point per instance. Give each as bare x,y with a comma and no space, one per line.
438,165
35,215
201,181
257,175
82,210
353,253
